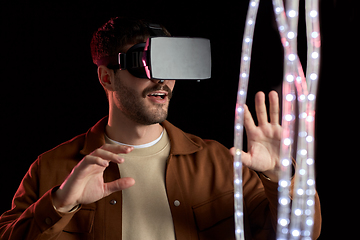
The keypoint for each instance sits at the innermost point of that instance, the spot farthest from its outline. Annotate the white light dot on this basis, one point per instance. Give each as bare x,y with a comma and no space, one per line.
288,117
303,152
302,172
302,97
237,195
284,201
290,78
246,58
310,118
302,134
253,4
309,222
283,222
287,141
302,115
314,55
285,162
291,57
278,10
283,183
250,22
311,97
238,152
313,76
310,202
314,34
240,109
297,212
295,233
291,35
309,138
247,39
313,13
292,13
237,181
241,92
310,182
289,97
310,161
244,75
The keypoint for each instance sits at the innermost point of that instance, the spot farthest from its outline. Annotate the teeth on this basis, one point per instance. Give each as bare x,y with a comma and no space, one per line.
157,94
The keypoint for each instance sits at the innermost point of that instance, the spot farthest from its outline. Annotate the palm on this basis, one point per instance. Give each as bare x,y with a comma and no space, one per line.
264,139
86,183
93,185
263,147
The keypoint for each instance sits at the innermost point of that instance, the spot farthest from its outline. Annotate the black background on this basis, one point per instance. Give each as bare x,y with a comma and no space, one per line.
50,92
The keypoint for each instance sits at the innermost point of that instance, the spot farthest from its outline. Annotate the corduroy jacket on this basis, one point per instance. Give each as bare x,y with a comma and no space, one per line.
199,185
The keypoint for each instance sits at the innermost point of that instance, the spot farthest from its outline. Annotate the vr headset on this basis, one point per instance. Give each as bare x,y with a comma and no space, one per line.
165,58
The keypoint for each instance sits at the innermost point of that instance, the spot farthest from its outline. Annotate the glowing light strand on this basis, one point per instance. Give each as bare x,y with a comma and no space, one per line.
302,212
297,221
239,115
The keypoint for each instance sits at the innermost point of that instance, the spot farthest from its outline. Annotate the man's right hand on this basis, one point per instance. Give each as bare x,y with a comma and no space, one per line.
85,184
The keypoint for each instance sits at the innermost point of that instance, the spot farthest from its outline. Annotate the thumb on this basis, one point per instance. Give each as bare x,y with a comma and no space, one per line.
245,157
118,185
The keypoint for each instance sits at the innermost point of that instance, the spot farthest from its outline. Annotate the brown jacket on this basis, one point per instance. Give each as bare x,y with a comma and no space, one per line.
199,176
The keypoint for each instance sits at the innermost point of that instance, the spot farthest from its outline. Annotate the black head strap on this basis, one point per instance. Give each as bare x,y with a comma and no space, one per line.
155,30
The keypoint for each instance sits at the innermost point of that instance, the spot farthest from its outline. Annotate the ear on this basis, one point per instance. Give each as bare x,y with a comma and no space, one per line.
106,77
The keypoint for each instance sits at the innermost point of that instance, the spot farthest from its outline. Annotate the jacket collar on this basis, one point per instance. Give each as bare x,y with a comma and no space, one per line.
181,143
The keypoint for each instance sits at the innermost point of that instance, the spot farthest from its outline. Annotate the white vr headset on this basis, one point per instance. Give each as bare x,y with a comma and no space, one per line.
165,58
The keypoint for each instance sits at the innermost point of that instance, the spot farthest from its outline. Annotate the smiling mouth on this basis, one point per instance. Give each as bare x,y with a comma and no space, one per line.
158,95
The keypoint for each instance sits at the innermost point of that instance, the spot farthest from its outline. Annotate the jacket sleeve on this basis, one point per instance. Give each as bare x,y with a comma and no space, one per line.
261,201
31,216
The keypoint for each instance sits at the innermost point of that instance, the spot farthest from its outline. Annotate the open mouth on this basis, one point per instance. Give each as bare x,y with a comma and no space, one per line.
158,95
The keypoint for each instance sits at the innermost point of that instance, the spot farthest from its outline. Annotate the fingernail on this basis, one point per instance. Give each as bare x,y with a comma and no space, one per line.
128,148
120,159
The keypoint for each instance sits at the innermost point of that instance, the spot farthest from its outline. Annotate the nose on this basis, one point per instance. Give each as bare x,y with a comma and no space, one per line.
157,81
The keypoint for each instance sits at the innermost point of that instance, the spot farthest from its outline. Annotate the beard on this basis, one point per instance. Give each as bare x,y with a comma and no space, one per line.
137,108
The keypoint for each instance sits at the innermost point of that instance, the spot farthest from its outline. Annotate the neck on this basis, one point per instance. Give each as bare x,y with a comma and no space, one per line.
124,130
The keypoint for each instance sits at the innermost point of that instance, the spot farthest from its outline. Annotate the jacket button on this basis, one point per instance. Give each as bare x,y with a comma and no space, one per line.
177,203
113,202
48,221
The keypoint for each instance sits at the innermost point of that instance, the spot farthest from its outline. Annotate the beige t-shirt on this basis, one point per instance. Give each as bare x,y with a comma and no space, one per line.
145,208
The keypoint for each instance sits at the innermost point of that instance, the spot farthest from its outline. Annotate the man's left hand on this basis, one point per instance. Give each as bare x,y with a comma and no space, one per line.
264,139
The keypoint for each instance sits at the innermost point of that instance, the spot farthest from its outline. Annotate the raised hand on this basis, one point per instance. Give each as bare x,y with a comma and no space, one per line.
85,184
264,139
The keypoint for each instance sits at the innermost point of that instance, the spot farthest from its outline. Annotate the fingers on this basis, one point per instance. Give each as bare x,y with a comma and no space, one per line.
274,107
118,185
110,152
260,108
115,148
107,153
248,120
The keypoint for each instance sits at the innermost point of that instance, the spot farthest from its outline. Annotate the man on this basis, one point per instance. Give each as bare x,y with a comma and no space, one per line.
136,176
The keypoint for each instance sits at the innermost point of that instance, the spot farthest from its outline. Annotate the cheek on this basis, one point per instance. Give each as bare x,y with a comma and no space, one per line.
171,84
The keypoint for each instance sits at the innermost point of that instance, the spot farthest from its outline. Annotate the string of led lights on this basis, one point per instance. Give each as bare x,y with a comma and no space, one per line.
295,216
239,115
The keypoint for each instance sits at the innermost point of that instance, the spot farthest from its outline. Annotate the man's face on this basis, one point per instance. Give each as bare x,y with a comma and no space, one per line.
142,100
